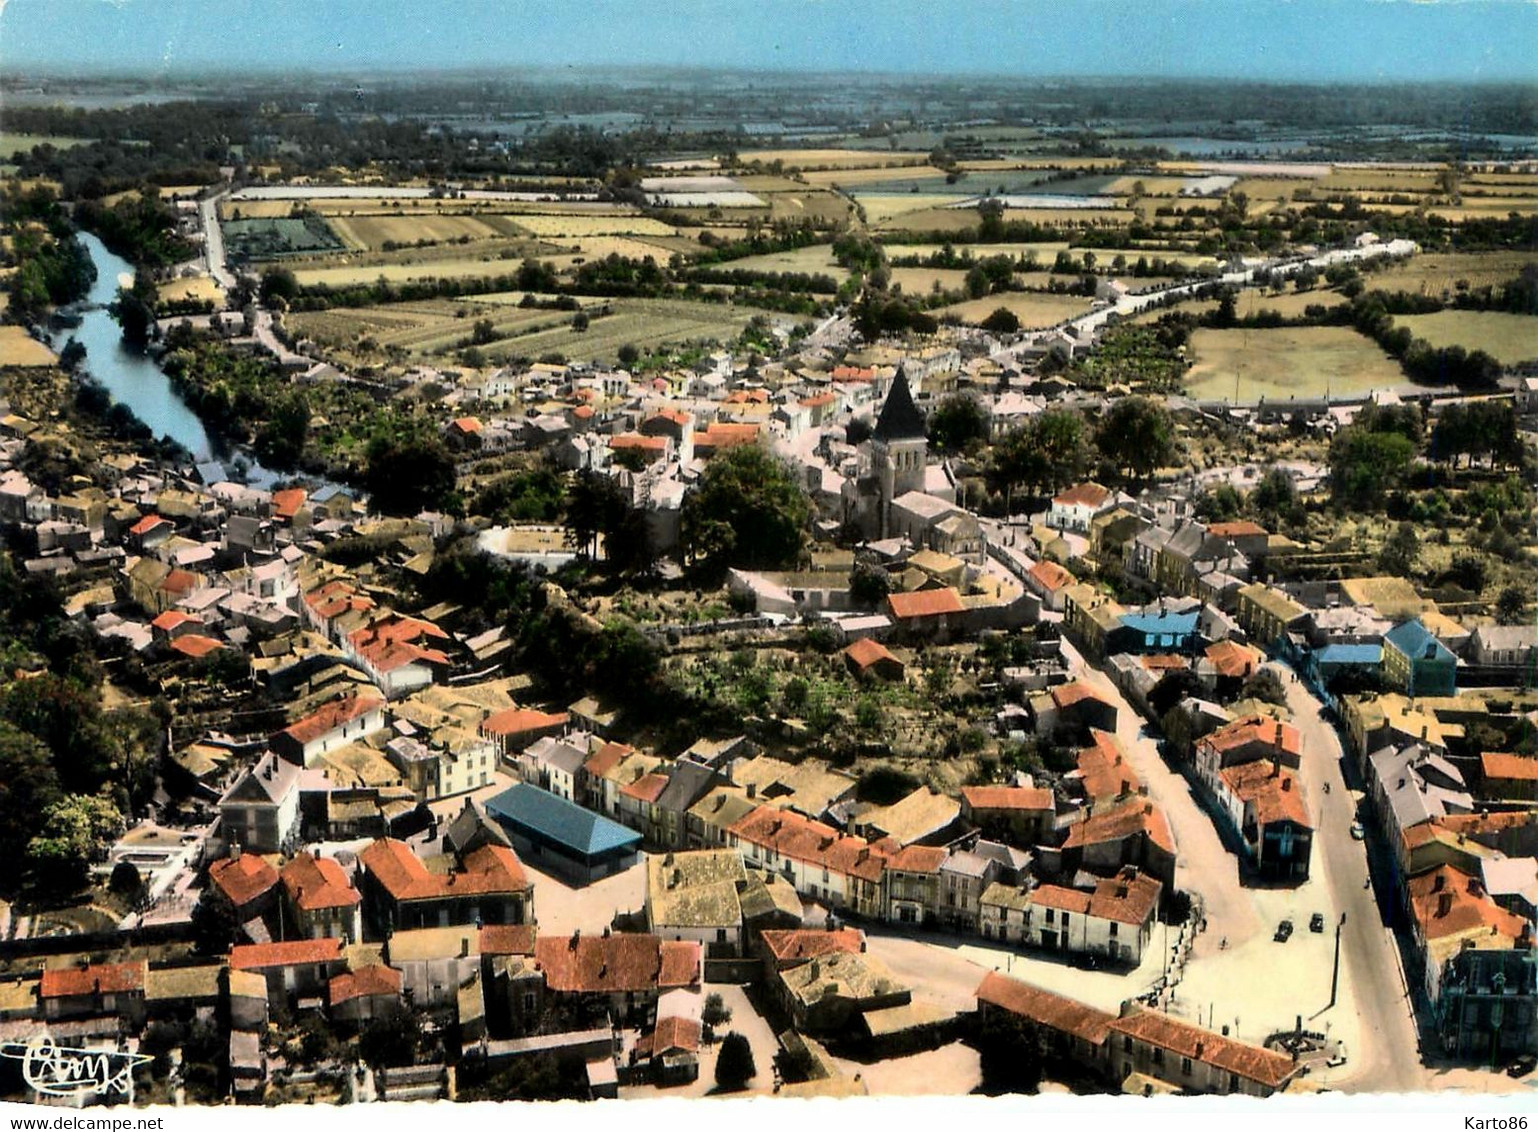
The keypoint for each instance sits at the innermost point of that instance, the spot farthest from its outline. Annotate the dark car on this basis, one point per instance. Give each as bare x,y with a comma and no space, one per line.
1316,922
1284,931
1523,1065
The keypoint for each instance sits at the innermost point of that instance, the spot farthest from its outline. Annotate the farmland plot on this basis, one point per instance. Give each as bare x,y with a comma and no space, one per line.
1286,362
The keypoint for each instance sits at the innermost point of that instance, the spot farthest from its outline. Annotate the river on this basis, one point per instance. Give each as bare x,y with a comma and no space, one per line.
134,379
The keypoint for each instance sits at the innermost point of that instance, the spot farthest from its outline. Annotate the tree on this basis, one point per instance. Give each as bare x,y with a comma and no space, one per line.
1137,436
1511,606
1001,321
1265,685
580,322
593,506
407,474
958,422
869,584
1220,504
214,923
1011,1052
628,355
391,1038
74,831
125,881
747,510
72,357
28,787
279,284
1365,466
1399,551
734,1064
715,1011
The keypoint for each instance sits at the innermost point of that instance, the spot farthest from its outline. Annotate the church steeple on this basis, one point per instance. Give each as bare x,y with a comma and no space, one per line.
900,418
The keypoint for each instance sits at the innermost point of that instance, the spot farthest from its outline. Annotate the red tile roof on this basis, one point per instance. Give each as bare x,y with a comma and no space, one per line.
331,716
179,582
798,945
802,839
866,652
1276,797
173,618
1260,729
318,882
486,870
1034,799
291,953
722,434
242,879
616,963
1232,659
1132,819
1051,576
1498,764
101,978
1447,901
1064,1015
286,503
853,373
375,979
1104,769
147,524
195,645
918,859
335,598
925,603
671,1034
1084,494
1268,1067
1077,691
508,939
818,399
647,788
637,442
468,425
1235,528
606,758
522,721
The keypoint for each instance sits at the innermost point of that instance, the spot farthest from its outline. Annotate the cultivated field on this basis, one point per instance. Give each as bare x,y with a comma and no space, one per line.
18,348
193,287
814,260
1035,310
921,280
831,158
1437,273
424,329
1509,338
374,232
644,323
12,144
1286,362
348,275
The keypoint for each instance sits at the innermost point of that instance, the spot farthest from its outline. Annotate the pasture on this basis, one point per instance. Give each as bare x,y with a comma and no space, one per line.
649,324
1036,310
814,260
18,348
1286,362
1438,273
12,144
1509,338
809,159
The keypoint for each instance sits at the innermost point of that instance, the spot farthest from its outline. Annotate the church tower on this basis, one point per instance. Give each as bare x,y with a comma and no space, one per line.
899,447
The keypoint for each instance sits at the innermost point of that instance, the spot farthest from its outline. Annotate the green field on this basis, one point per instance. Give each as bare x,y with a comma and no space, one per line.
644,323
279,237
1287,362
1036,310
12,144
1509,338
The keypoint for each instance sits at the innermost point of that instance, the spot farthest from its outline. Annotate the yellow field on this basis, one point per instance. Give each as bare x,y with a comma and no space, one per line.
348,275
921,280
854,178
375,231
1287,362
1509,338
1434,273
1289,304
882,210
1484,209
1035,310
575,225
18,348
815,260
600,247
1380,180
831,158
962,219
198,287
1272,188
1152,186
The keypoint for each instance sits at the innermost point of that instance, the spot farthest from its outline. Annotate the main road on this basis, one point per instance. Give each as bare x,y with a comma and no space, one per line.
1390,1059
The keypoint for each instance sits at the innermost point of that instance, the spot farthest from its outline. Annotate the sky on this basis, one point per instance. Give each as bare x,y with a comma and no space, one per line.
1362,40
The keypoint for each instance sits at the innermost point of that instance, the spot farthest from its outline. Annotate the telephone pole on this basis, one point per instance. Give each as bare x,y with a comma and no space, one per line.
1335,973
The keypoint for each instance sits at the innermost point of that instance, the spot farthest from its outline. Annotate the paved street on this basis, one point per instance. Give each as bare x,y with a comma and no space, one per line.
1387,1058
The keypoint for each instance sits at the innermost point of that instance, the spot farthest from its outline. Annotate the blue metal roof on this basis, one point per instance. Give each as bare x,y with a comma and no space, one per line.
1367,655
1414,640
1161,624
556,820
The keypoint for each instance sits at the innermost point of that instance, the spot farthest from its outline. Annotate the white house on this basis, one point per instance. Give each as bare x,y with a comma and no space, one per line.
1114,922
1073,509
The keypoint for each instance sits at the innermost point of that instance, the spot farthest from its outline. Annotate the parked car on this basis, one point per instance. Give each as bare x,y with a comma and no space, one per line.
1316,922
1523,1065
1284,931
1357,832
